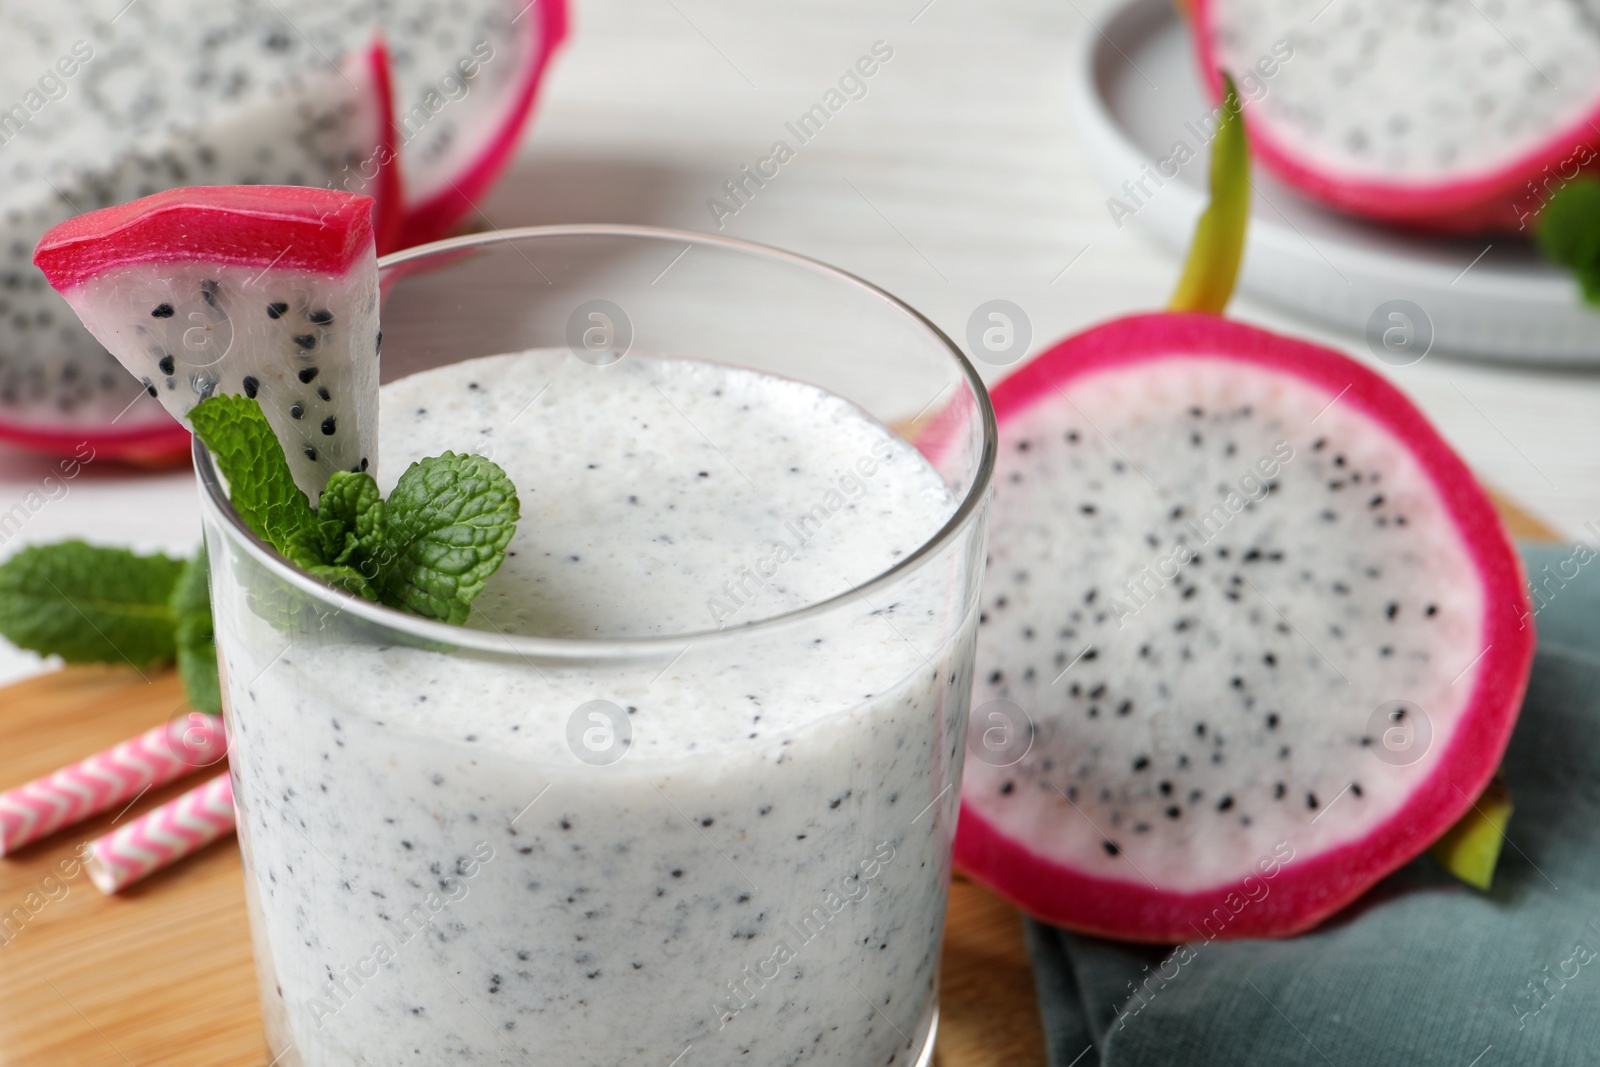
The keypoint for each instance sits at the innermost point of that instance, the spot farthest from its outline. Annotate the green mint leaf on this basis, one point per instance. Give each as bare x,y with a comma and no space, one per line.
191,594
351,528
251,459
90,605
194,636
449,521
309,549
345,577
197,669
1568,233
351,515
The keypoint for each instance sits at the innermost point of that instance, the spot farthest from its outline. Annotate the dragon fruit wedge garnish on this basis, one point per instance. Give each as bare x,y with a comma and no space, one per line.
268,291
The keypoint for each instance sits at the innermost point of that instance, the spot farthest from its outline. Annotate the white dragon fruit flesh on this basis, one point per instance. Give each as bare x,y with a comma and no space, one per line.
1252,636
268,291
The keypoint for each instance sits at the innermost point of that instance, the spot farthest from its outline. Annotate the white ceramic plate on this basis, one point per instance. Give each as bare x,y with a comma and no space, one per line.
1139,95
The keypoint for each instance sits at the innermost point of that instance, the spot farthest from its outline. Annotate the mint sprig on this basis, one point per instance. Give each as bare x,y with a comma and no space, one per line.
89,604
428,550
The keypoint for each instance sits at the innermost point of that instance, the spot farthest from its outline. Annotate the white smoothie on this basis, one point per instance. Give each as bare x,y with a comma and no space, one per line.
736,851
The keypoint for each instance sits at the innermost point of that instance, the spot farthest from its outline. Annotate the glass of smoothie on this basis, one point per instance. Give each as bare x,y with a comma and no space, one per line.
682,790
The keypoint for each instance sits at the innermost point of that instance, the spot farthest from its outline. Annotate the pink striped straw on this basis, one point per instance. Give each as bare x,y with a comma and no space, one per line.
108,779
161,837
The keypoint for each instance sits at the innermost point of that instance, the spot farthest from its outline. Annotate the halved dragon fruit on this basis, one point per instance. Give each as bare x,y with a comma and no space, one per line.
1252,636
113,104
1439,114
269,291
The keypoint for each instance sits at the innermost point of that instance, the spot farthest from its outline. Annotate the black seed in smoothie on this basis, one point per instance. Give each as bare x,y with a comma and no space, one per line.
276,309
307,375
251,386
162,311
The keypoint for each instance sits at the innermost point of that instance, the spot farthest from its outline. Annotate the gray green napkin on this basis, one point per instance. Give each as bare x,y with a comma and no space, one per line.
1423,970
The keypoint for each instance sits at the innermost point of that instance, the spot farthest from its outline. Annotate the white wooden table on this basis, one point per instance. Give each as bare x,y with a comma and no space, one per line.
954,180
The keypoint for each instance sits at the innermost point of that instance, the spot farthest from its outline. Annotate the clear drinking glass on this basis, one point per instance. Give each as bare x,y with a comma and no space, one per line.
571,889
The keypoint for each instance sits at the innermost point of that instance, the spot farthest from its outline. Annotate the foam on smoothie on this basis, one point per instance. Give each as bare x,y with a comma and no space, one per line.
668,496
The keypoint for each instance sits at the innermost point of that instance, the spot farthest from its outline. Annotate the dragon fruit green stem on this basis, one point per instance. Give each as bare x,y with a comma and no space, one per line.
1212,266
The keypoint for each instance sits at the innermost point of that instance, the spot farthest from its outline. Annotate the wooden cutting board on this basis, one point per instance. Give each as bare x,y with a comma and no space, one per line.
161,973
